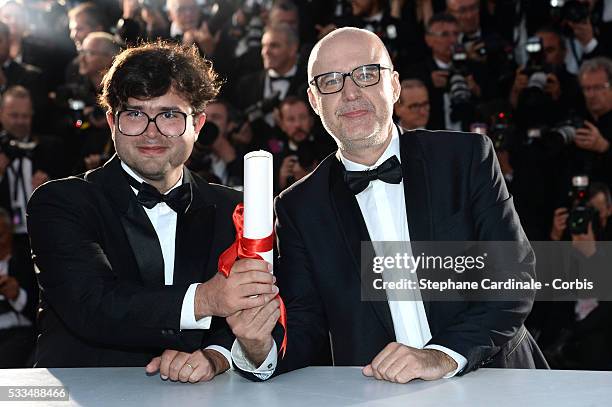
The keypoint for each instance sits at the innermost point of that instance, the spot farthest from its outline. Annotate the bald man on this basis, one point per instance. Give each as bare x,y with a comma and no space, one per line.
426,187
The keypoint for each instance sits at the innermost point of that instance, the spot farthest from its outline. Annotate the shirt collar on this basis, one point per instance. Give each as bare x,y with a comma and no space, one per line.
392,150
139,179
273,74
175,31
441,65
375,18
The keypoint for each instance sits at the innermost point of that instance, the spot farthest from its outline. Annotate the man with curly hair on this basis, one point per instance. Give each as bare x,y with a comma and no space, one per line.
127,253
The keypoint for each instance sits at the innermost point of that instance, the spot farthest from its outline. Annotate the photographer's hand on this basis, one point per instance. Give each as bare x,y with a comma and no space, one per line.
130,8
439,78
286,170
223,149
553,87
473,86
4,163
473,51
39,178
585,242
92,161
559,224
520,83
589,138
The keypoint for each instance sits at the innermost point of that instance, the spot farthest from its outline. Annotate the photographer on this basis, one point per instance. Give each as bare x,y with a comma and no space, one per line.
83,122
142,19
582,328
412,108
453,88
258,93
302,149
403,41
214,157
26,161
592,154
18,300
581,23
549,57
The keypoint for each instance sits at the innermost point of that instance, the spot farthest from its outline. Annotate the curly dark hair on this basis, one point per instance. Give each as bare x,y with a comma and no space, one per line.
150,70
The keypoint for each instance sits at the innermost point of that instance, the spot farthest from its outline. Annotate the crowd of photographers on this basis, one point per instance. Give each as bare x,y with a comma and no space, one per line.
535,76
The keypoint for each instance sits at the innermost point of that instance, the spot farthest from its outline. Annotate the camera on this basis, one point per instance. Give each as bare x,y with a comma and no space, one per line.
261,108
458,89
566,129
561,134
15,149
581,213
575,11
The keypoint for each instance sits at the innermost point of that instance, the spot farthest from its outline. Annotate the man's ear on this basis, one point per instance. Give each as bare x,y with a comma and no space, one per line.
110,119
313,101
199,120
397,87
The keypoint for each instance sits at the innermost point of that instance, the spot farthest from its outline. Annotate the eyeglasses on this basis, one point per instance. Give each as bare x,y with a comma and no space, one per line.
596,88
363,76
135,122
444,34
415,107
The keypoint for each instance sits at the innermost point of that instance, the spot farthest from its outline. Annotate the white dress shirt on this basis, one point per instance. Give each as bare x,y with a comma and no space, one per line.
384,210
280,86
19,174
163,219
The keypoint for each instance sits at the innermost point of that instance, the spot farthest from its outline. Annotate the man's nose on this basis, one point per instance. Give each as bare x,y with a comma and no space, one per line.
350,91
151,131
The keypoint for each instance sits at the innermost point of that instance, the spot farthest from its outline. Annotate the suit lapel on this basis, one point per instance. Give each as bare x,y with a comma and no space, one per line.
416,193
138,228
354,231
195,230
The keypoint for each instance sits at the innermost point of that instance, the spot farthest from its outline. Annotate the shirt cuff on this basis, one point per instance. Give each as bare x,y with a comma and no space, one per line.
264,371
226,354
188,320
460,359
20,302
590,47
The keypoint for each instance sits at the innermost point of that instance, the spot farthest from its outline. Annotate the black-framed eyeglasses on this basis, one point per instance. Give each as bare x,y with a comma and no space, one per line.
171,123
415,107
363,76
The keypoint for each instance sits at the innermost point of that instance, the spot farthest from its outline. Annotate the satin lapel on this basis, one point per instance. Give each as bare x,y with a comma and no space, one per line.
195,230
145,244
354,230
416,192
138,228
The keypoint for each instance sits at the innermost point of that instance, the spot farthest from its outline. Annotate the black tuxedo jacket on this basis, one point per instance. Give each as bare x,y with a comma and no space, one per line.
101,270
454,190
250,89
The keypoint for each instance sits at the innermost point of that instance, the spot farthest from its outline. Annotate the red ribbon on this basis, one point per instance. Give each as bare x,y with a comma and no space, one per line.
245,248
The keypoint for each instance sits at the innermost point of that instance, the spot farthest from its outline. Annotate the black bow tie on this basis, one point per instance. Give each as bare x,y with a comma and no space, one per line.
148,196
389,171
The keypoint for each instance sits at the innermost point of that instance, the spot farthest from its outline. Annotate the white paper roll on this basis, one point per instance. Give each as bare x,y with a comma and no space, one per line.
258,196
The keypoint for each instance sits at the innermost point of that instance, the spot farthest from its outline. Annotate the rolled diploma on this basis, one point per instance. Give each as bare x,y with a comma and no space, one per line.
258,195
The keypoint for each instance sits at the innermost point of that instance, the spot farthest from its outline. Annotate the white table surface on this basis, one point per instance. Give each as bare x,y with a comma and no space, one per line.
319,387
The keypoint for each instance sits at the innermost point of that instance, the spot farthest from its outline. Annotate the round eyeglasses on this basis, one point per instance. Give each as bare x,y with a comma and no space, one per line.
170,123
